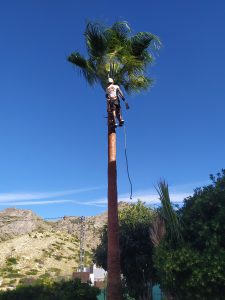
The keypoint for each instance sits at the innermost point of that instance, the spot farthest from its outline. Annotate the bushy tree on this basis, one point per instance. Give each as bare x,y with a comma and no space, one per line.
194,267
136,250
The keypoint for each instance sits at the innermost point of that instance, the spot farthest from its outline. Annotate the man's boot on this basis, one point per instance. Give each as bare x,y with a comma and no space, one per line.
121,122
114,120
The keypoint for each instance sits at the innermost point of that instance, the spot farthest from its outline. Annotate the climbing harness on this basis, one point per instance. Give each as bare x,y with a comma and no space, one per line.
113,108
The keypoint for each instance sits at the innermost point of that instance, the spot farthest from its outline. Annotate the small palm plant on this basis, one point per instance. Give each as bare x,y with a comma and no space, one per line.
166,220
113,52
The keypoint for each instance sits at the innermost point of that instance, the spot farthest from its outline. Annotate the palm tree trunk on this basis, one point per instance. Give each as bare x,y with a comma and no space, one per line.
113,256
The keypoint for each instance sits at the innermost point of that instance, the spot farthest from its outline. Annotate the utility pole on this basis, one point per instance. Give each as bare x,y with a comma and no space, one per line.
82,237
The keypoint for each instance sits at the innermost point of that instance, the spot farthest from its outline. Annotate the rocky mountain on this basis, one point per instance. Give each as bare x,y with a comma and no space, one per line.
35,249
16,222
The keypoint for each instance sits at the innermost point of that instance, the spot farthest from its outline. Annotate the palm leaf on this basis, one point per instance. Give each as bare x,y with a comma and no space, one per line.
87,67
173,226
95,40
137,83
121,30
114,53
78,60
142,40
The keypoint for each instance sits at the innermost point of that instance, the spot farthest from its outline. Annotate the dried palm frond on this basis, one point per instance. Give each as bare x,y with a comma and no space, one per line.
157,230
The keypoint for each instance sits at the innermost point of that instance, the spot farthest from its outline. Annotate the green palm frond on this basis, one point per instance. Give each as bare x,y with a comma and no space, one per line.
95,40
90,72
142,40
114,53
137,83
121,30
114,68
131,63
173,226
87,67
117,36
78,60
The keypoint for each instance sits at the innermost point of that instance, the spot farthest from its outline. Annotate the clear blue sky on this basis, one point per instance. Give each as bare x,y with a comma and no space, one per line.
53,133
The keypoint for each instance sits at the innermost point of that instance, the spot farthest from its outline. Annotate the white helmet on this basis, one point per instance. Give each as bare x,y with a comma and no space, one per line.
110,80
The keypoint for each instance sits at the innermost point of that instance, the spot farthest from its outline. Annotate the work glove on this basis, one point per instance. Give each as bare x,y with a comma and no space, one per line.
127,105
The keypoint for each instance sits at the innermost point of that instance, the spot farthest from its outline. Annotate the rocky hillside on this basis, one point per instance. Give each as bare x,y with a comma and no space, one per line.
34,249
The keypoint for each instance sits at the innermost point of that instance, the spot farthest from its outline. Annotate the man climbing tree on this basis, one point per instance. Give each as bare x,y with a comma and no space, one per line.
114,53
113,92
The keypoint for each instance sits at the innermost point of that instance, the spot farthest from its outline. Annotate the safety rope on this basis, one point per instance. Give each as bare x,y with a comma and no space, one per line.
127,165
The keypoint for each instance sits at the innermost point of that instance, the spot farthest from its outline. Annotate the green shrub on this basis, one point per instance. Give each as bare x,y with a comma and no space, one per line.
14,275
11,261
64,290
32,272
194,268
45,275
58,257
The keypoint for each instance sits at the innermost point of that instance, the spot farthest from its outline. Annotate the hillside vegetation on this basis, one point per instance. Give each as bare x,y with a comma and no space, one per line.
33,249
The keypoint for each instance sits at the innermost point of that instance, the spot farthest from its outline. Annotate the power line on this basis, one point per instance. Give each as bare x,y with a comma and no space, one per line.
8,218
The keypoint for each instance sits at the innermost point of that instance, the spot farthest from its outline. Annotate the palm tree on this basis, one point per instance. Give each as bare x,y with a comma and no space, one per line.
166,220
113,52
166,223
